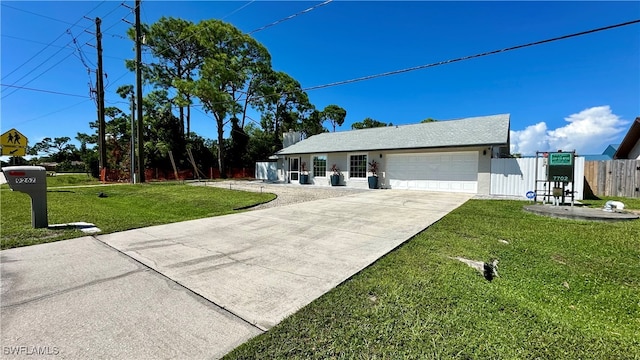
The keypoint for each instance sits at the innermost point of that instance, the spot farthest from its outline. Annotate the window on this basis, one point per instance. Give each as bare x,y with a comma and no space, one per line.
358,166
320,165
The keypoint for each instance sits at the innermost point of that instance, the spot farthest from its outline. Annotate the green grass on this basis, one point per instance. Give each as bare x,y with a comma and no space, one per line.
125,207
71,180
629,203
66,180
418,303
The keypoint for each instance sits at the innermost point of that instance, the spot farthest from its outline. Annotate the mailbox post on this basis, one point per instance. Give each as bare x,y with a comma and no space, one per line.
31,180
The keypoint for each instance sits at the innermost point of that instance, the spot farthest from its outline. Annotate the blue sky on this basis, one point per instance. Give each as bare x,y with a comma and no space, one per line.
580,93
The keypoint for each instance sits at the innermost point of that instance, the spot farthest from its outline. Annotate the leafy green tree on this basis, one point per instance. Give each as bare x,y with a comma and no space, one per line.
201,151
368,123
283,104
239,143
89,155
161,132
228,74
428,120
57,149
260,145
335,114
118,142
16,161
312,124
178,55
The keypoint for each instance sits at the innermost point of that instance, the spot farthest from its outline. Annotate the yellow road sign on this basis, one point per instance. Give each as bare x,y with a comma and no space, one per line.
13,143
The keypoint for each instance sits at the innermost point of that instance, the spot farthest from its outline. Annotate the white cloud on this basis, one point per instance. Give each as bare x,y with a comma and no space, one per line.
587,132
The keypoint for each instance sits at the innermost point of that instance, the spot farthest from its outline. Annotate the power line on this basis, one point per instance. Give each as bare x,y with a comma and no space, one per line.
54,112
116,23
81,53
42,63
261,28
238,9
74,41
420,67
43,90
50,44
35,42
48,17
56,46
37,76
289,17
118,78
395,72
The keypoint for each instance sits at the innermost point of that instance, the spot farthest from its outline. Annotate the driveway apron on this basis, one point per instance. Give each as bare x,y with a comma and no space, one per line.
200,288
264,265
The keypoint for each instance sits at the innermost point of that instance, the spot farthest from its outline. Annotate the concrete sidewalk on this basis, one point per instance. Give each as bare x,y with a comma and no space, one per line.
80,299
200,288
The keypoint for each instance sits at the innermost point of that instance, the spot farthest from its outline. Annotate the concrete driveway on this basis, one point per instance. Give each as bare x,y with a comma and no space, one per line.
197,289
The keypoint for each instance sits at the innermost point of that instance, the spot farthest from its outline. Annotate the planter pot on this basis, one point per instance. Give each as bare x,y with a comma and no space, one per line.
335,180
304,178
373,182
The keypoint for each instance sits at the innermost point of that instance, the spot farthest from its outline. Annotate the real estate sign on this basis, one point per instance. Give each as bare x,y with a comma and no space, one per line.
561,167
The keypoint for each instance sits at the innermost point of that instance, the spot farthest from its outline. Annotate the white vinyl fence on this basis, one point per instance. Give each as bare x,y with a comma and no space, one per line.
267,170
515,177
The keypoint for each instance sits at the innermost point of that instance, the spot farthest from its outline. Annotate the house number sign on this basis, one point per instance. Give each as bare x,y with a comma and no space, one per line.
25,180
561,167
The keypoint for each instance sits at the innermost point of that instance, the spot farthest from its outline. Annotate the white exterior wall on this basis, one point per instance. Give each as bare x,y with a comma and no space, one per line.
515,177
484,171
483,177
635,152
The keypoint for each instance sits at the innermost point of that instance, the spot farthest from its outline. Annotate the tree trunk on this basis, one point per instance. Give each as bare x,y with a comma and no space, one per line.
182,121
188,116
276,130
221,147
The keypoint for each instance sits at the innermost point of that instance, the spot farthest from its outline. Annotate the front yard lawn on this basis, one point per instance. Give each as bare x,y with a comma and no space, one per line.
566,290
124,207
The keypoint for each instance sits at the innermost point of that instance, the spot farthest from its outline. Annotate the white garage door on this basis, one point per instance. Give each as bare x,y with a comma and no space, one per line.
450,171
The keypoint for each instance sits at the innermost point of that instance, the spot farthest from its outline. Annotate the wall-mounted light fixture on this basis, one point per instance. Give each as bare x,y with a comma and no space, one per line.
380,156
484,152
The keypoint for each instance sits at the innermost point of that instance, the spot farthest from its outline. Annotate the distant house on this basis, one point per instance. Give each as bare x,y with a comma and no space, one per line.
630,146
450,155
607,154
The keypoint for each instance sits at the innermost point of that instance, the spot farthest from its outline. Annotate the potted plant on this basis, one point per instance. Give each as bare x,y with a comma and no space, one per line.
304,173
373,179
335,177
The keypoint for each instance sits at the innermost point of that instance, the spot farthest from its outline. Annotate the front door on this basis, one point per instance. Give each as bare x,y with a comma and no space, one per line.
294,169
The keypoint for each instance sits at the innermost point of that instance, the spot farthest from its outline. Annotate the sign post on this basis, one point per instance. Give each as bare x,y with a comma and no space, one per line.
561,172
13,143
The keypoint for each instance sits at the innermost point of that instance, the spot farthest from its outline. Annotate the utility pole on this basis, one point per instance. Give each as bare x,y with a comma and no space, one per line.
100,99
139,93
133,140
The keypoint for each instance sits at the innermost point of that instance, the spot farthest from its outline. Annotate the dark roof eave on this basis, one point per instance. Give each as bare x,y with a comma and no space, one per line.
629,140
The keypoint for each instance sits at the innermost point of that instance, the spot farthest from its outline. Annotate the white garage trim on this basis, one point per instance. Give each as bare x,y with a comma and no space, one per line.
446,171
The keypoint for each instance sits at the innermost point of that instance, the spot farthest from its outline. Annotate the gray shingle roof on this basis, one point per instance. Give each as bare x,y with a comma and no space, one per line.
476,131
